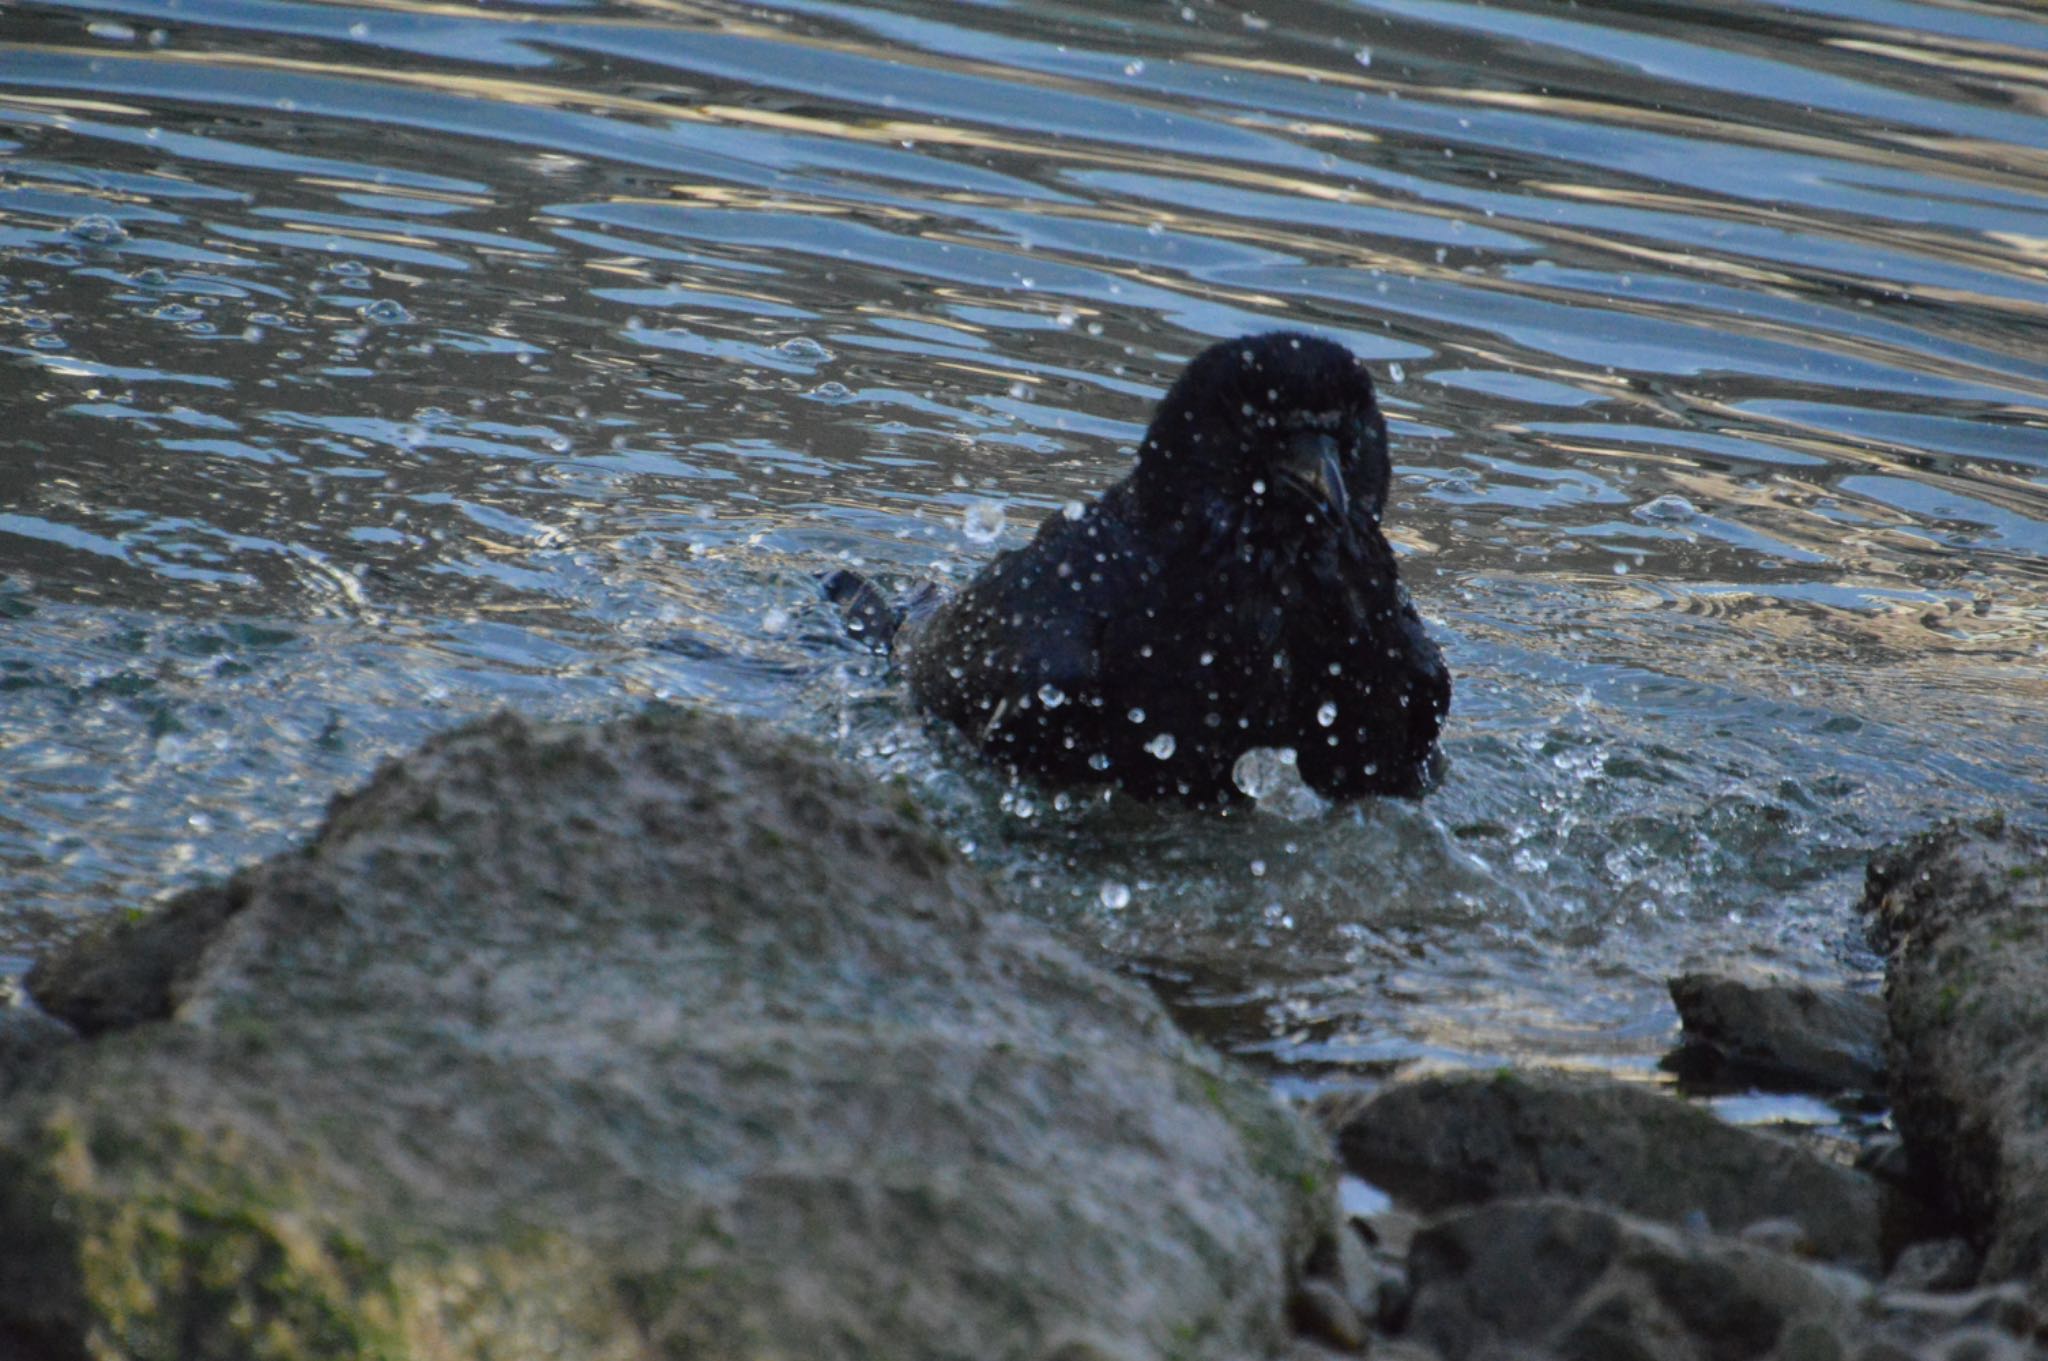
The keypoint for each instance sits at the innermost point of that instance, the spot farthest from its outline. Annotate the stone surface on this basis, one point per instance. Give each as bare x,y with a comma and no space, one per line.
1784,1030
1557,1278
1452,1140
651,1039
1963,916
1935,1264
30,1043
132,969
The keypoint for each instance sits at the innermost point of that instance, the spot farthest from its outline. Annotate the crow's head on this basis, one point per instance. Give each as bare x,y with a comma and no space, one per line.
1276,430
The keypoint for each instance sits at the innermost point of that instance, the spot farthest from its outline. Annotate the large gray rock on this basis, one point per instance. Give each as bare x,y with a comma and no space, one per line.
653,1039
1785,1029
1451,1140
1963,915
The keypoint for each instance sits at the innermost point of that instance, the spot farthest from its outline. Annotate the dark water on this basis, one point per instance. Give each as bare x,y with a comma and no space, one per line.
368,367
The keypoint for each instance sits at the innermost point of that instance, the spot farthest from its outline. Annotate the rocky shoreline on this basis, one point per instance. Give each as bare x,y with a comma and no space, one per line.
668,1038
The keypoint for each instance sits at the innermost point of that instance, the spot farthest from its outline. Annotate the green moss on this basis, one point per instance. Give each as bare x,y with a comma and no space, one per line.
164,1242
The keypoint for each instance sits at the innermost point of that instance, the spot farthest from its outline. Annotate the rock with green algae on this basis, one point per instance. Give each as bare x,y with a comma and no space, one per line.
1962,913
659,1038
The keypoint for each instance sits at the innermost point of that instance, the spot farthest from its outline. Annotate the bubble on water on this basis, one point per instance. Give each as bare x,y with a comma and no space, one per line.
1051,696
1669,509
359,29
1258,869
111,30
1020,391
775,620
97,229
1136,715
1114,896
1161,746
982,522
1073,510
1621,569
804,349
832,392
384,312
1099,761
1134,67
1363,56
1066,318
1396,374
1328,713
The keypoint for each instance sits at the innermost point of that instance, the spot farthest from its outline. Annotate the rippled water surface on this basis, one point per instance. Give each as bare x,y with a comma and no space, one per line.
368,367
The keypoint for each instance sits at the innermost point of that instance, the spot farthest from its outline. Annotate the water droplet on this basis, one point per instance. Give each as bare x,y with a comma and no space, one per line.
1134,67
1073,510
1396,373
1136,715
982,522
1161,746
775,620
358,29
1051,696
1115,896
1328,713
1258,869
1020,391
1363,56
1099,761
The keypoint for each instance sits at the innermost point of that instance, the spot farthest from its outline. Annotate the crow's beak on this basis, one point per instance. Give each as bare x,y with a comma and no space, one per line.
1310,465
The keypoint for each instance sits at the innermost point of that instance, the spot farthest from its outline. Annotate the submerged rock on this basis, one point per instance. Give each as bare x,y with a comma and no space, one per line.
657,1038
1454,1140
1785,1030
1963,916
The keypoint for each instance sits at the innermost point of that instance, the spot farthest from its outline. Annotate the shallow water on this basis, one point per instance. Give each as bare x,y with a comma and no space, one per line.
367,367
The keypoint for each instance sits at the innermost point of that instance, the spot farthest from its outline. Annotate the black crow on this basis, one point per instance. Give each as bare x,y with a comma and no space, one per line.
1233,592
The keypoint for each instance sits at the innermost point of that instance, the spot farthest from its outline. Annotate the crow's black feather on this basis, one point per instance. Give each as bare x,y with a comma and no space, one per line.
1233,592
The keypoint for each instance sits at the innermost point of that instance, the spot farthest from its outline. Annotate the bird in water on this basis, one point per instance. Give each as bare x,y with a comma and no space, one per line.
1233,592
